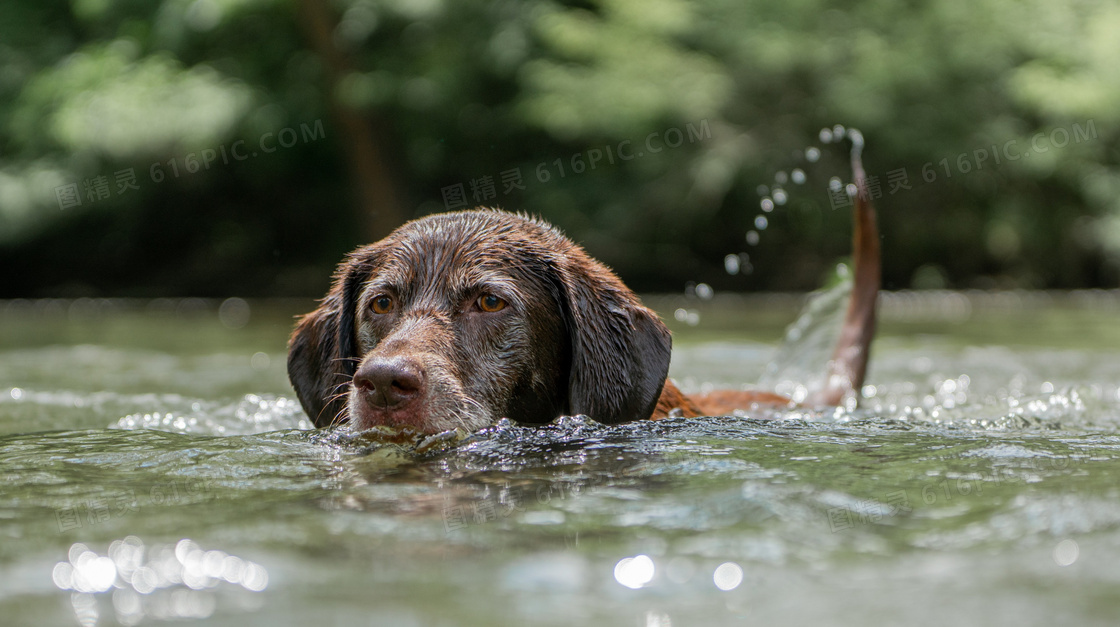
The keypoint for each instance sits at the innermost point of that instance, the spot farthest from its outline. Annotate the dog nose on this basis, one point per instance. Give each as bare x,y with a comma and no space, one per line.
387,383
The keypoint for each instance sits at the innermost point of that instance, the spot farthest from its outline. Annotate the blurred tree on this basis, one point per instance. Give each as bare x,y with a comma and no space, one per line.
663,134
361,134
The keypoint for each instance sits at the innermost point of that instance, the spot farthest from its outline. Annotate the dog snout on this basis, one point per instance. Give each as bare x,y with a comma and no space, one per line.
390,383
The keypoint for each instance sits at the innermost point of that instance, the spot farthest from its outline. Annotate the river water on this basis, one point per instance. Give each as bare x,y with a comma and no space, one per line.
156,468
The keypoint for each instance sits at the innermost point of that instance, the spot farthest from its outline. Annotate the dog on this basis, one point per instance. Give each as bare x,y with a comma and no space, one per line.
457,320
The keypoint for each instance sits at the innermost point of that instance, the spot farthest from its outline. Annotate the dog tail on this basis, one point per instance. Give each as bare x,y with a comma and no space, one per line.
848,365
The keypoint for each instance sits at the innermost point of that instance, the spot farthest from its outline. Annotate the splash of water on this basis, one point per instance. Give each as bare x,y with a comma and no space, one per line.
251,414
796,371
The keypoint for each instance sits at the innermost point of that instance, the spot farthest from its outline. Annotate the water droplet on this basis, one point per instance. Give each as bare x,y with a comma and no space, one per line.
851,189
825,136
760,223
680,569
85,608
835,184
260,361
767,204
781,177
812,154
234,313
838,132
704,291
752,238
731,264
1066,552
780,197
762,190
728,576
63,576
798,176
634,572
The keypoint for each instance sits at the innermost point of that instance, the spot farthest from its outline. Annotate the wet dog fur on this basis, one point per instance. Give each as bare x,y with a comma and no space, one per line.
457,320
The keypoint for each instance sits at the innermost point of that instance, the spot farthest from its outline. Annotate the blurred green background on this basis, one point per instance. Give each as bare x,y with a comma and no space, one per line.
218,147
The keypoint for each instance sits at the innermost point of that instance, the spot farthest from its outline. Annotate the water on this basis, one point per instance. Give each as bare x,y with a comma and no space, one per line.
156,468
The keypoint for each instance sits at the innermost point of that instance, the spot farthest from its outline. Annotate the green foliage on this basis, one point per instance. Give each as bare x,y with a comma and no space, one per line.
456,91
619,73
105,101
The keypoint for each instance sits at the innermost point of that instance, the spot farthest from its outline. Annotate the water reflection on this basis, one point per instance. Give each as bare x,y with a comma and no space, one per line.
728,576
969,469
1066,553
634,572
165,582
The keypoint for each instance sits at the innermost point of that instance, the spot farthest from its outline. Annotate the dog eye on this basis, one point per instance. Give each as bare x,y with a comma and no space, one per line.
490,303
382,304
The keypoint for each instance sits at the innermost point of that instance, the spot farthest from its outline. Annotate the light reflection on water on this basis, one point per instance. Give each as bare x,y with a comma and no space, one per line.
162,582
977,482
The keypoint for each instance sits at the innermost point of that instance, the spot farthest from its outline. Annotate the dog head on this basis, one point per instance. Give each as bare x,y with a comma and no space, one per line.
460,319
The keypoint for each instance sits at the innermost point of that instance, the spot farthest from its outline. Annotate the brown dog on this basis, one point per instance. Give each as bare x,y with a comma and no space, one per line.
457,320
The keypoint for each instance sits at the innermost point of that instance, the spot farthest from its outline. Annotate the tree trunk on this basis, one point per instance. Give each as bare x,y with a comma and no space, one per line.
379,199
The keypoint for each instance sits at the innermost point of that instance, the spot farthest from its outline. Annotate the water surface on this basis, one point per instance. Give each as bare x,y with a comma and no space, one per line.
156,467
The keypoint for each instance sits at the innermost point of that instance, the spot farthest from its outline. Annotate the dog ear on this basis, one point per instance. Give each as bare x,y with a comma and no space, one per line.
323,352
620,349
